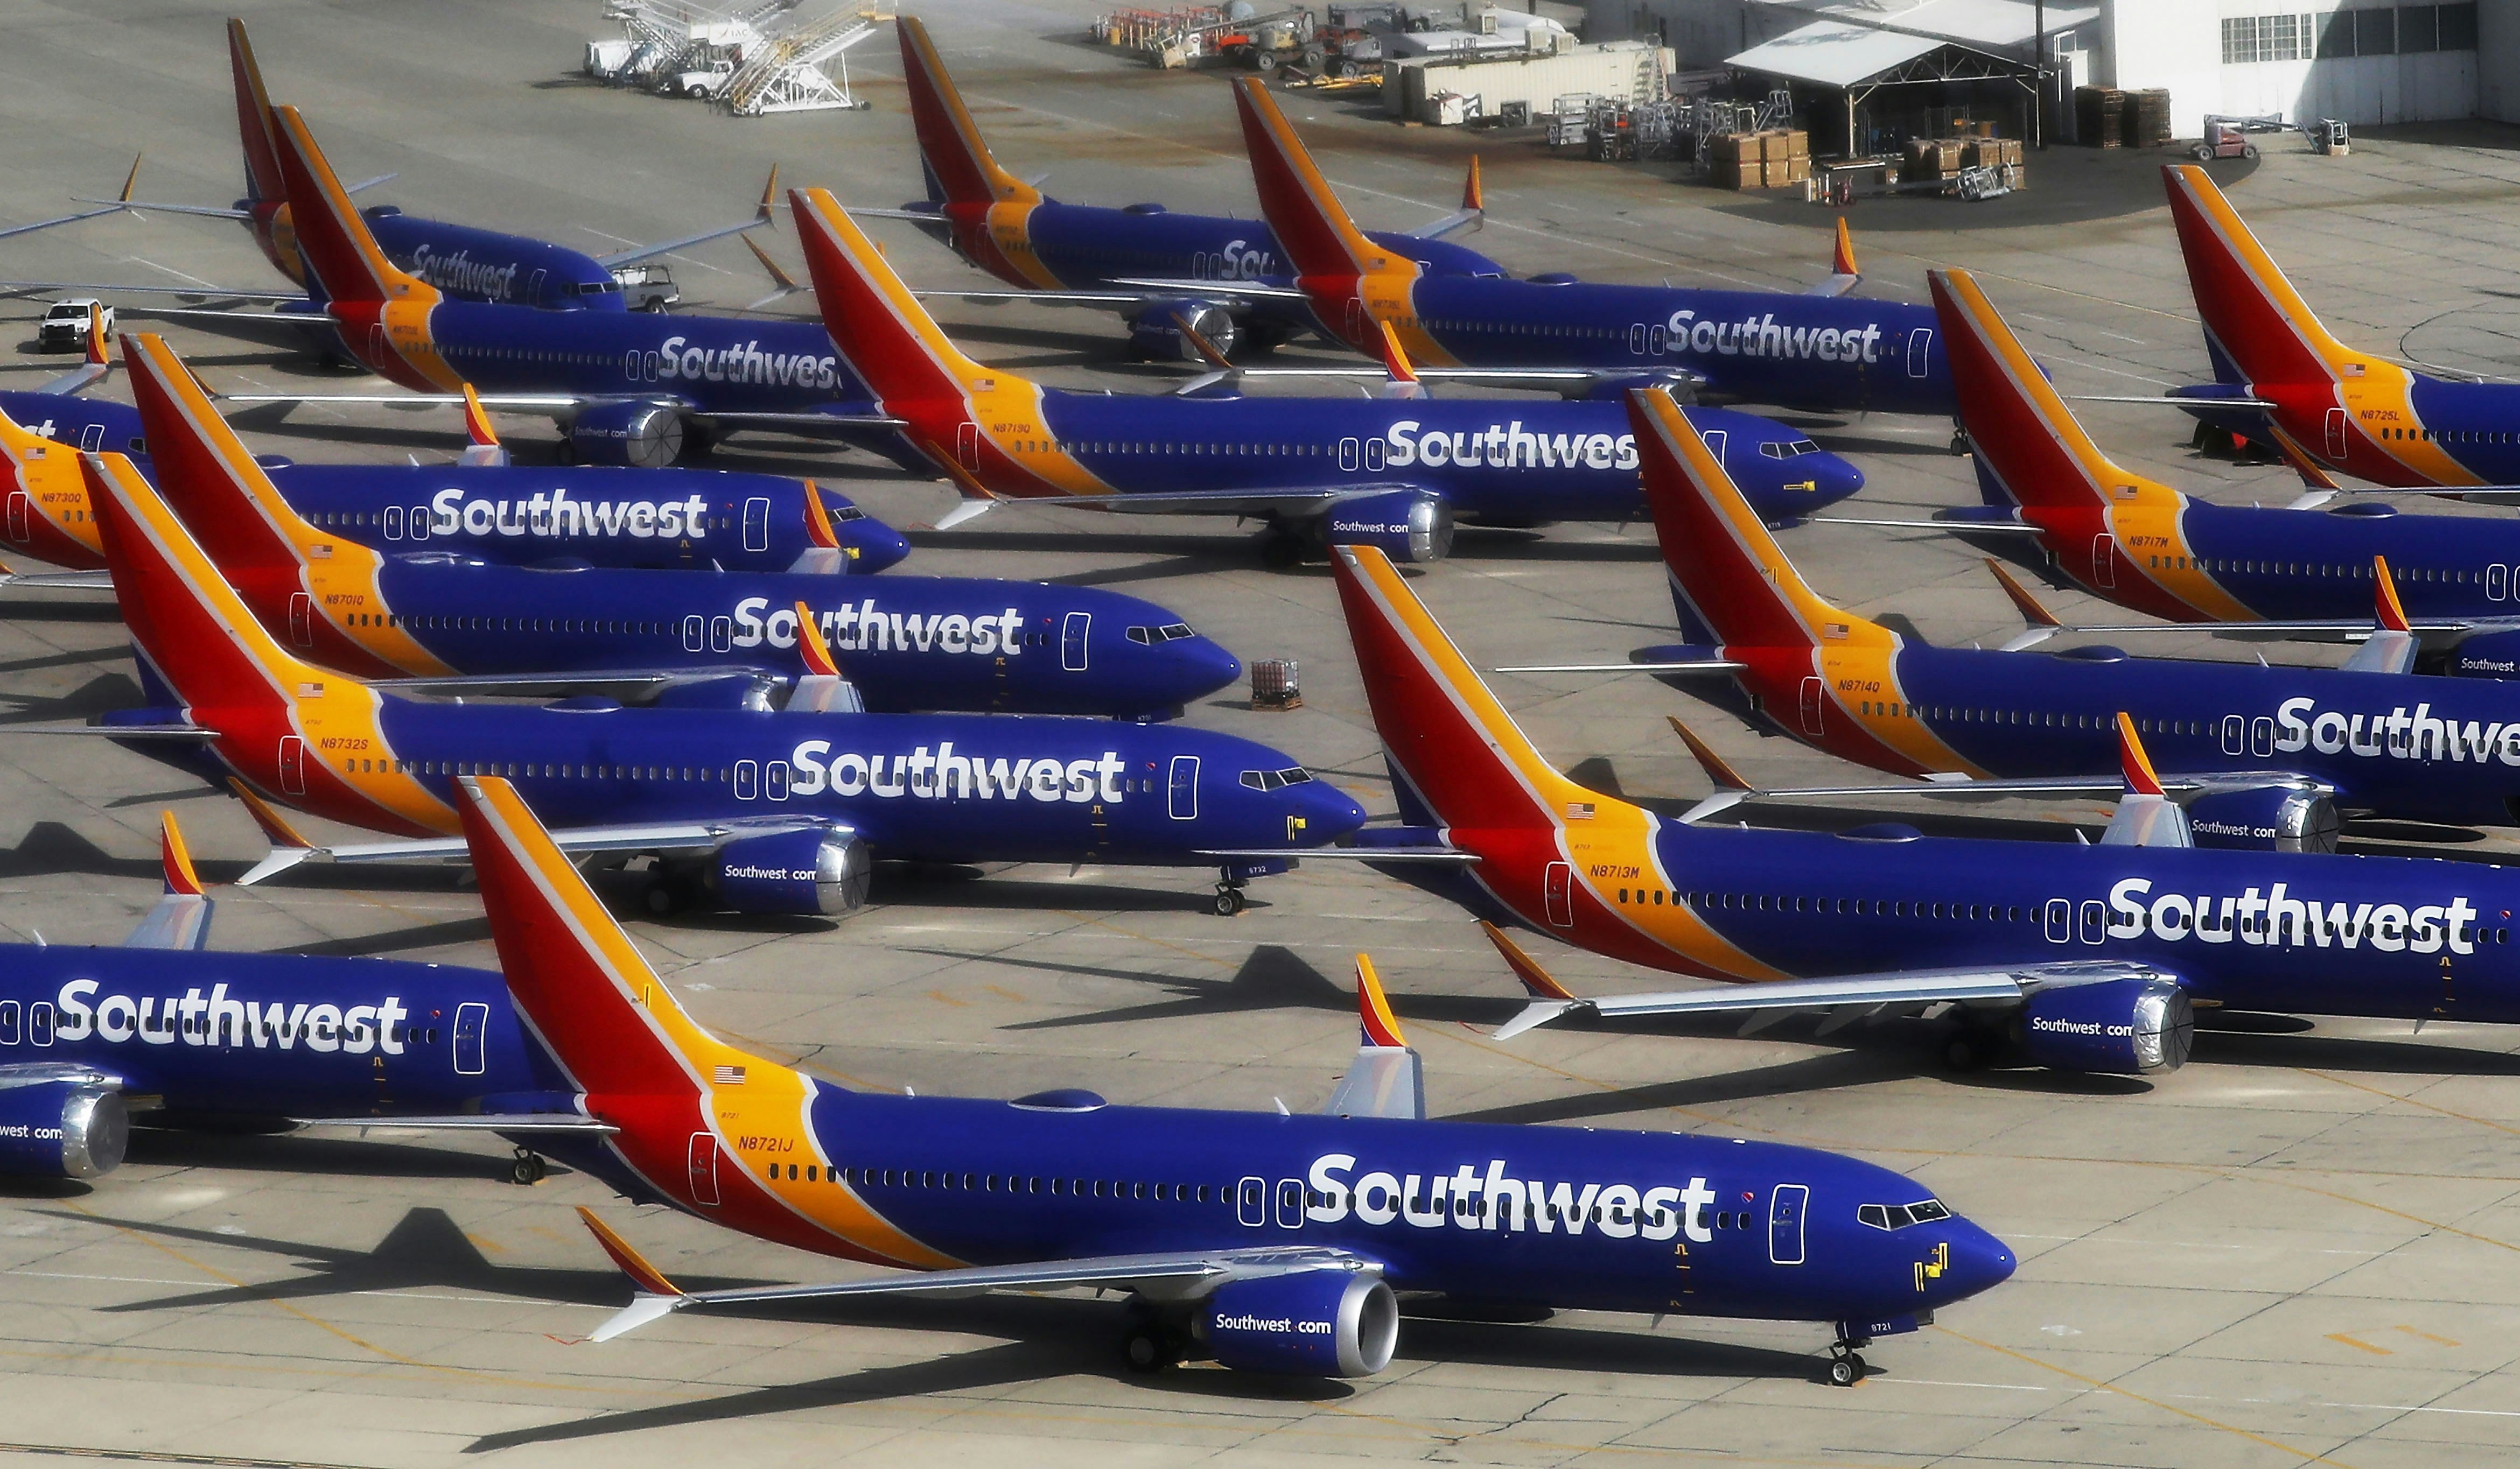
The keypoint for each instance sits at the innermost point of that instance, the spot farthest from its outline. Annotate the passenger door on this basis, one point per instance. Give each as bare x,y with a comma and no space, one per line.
1073,636
1785,1224
1181,794
472,1039
756,524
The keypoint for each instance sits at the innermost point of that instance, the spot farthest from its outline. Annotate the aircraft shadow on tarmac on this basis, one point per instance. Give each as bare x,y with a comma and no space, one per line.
101,694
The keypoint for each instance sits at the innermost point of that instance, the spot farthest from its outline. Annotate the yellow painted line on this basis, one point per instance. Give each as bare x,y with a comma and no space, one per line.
2427,1336
2097,1385
2349,1082
2359,1344
484,1244
941,998
1003,993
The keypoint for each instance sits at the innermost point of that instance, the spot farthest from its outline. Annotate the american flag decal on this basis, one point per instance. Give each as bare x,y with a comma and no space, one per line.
310,690
1579,811
729,1076
1835,630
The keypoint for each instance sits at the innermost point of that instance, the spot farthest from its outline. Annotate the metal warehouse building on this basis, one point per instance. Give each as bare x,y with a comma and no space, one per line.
2366,62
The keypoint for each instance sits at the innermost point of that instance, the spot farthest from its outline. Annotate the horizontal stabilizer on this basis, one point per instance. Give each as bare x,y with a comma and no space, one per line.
470,1122
662,836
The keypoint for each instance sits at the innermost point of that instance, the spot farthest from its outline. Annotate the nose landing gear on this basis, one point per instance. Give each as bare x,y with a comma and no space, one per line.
1229,895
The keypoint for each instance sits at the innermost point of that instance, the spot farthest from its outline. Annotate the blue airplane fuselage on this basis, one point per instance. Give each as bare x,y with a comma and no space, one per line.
486,265
207,1035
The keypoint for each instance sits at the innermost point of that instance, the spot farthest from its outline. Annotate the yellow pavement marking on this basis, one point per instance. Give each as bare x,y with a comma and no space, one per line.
2359,1344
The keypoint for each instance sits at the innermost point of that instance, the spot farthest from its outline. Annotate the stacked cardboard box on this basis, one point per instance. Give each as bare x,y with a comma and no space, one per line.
1771,159
2100,116
1931,159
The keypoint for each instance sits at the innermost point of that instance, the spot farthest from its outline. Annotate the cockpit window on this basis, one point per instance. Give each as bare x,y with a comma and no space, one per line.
1900,1216
1170,632
1794,450
1277,780
844,511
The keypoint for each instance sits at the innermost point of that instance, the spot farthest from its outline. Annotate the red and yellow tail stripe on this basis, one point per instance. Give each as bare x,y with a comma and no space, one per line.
383,310
1355,284
2024,434
2267,331
59,525
811,644
2134,762
987,429
676,1091
262,180
1446,736
989,208
2387,609
248,526
234,679
1740,584
1841,261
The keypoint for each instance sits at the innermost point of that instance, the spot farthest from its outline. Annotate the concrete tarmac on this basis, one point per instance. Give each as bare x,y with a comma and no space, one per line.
2303,1248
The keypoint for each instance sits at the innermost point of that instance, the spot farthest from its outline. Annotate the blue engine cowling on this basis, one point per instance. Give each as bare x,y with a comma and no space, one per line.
2125,1027
62,1128
1405,525
2271,818
1313,1323
2487,656
638,435
1156,333
812,872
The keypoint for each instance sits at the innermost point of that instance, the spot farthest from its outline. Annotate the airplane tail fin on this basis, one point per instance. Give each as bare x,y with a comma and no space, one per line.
2030,452
1453,748
1403,381
887,339
1841,261
180,919
234,511
2257,328
1730,583
1320,238
960,168
193,632
340,252
587,993
481,448
262,179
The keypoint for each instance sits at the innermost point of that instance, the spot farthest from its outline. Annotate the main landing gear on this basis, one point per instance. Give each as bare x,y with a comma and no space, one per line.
1148,1343
527,1166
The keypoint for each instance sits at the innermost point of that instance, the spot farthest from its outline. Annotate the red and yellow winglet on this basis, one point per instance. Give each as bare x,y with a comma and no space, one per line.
629,1261
1842,261
810,643
2032,611
97,353
1537,982
1717,767
1473,197
1375,1020
779,277
2390,612
477,420
1395,360
2140,777
175,858
275,826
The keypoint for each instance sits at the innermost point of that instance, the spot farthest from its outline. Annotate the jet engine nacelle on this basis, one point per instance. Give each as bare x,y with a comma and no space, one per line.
62,1129
1314,1323
1156,333
640,435
1405,525
816,873
2272,818
2487,656
2125,1027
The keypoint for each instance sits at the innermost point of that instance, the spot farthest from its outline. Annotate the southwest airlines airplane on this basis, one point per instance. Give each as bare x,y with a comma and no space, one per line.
446,625
766,812
1268,1242
2153,550
632,388
1392,473
2074,958
2322,401
1065,254
465,263
1823,350
2260,756
89,1035
482,507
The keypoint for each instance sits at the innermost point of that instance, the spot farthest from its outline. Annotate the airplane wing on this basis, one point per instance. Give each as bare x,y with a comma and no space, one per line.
181,919
288,330
1856,995
1188,1274
288,849
471,1122
1569,383
639,253
1387,1078
206,292
633,681
1109,300
557,404
1472,213
1226,291
97,361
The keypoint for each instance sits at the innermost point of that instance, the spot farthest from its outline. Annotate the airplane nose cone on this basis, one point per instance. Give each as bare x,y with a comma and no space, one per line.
876,545
1202,667
1329,813
1979,1263
1832,479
